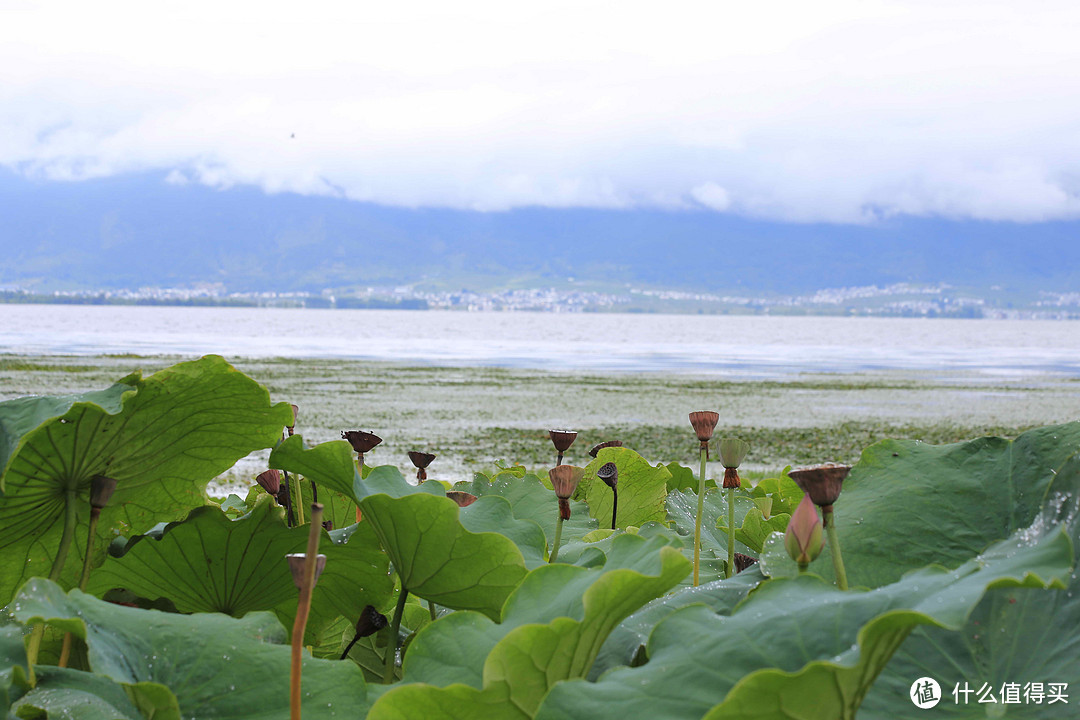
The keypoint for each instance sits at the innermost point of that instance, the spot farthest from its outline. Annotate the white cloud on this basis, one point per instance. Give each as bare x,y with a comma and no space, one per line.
841,111
175,177
712,196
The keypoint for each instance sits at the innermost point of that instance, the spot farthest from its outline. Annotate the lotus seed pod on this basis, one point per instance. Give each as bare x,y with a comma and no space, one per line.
822,483
609,473
562,439
803,538
743,561
270,481
282,496
371,621
600,446
704,422
565,479
733,451
290,428
101,490
463,499
421,460
361,441
296,565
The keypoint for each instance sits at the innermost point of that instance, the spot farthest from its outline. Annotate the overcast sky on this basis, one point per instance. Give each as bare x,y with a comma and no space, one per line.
806,111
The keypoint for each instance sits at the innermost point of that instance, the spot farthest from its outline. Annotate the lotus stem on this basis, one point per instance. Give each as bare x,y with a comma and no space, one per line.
34,648
345,652
700,512
360,458
95,513
299,502
303,607
431,609
558,539
834,547
614,505
803,567
558,459
65,651
290,516
730,569
391,645
370,622
65,539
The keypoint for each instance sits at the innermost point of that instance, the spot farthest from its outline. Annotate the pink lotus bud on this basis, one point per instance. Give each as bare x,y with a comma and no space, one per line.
803,538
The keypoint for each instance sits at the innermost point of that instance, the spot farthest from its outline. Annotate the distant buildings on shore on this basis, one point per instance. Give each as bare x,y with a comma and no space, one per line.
899,300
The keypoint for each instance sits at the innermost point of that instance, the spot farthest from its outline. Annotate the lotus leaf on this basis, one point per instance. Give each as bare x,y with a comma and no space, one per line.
553,628
799,647
215,666
906,504
162,438
642,489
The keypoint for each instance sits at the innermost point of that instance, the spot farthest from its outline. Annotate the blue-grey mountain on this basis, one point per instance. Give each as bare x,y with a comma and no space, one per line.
137,230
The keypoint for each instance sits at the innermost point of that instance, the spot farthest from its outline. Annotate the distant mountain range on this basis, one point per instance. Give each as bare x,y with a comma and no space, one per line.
135,231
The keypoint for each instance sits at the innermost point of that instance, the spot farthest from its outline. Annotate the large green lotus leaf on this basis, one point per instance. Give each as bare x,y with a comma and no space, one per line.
12,664
338,509
162,442
755,528
682,478
531,500
219,667
681,513
907,504
554,625
457,702
332,465
1014,636
357,574
438,558
642,489
493,514
593,551
627,641
454,649
798,647
209,563
21,416
62,693
785,492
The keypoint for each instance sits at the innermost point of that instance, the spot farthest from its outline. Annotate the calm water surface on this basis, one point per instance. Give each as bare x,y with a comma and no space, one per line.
736,346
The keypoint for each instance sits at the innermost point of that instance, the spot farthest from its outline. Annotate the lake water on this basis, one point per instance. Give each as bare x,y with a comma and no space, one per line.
740,347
